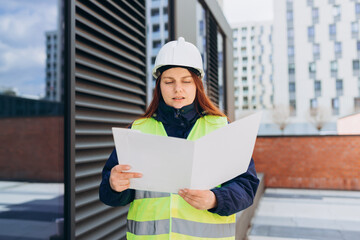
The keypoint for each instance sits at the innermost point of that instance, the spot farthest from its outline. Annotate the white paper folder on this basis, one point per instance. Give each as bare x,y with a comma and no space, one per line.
169,164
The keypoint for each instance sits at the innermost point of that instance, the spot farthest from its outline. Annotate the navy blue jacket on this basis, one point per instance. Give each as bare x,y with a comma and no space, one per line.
233,195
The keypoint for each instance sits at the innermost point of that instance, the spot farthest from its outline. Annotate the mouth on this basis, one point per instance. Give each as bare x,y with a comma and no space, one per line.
178,98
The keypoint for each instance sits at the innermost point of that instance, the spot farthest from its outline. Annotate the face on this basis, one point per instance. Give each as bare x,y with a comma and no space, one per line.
177,87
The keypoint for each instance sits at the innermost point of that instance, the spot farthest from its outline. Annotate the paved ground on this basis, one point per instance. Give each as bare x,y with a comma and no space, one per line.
307,214
28,211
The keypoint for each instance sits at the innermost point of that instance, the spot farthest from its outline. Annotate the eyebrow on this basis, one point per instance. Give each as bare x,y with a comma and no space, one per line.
174,78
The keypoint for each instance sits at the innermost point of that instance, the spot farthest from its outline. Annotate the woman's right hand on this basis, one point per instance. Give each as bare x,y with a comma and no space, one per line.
120,180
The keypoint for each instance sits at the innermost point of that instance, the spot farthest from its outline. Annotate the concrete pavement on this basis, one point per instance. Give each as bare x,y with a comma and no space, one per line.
288,214
28,211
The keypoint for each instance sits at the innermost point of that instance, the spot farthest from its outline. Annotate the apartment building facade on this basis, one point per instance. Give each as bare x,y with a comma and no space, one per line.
253,66
316,61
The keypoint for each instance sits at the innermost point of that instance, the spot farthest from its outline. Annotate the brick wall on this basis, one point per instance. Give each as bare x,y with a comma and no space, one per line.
32,149
321,162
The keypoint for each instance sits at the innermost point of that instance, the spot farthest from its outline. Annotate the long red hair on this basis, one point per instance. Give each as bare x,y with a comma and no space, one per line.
202,101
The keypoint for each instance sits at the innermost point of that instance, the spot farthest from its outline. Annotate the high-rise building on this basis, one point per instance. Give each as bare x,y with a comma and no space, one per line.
253,68
52,83
157,36
54,90
316,60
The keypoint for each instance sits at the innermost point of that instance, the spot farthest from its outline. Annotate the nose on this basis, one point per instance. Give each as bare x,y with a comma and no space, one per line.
178,87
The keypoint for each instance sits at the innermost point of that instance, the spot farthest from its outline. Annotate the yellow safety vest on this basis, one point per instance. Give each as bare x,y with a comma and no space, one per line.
160,216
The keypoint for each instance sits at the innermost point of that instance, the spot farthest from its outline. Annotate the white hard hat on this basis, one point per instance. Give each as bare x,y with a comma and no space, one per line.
178,53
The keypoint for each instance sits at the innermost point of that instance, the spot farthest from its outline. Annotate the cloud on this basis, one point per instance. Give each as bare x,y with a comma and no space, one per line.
23,24
15,59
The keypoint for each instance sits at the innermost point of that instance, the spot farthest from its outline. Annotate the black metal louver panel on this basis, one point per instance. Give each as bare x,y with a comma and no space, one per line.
110,91
213,83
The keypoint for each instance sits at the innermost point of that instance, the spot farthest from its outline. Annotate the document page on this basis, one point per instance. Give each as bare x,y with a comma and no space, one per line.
165,162
224,153
169,164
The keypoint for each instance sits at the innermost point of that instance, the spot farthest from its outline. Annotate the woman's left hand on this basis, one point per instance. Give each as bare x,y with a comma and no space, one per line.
199,199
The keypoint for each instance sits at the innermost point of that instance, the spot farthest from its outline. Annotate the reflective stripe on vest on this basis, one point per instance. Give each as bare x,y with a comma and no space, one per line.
154,215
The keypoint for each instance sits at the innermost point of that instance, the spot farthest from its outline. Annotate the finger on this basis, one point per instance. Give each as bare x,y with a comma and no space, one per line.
122,188
120,185
121,168
191,199
192,194
128,175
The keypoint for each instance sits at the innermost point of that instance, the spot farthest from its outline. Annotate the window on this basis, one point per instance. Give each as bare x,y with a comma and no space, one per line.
358,45
316,49
291,51
244,80
291,68
166,26
235,72
253,30
315,13
235,32
246,90
236,61
313,103
335,106
317,88
155,12
356,66
312,67
157,44
245,60
332,29
337,47
357,8
243,51
244,70
156,28
290,32
289,15
292,87
311,33
244,30
357,104
336,12
339,87
292,107
333,66
354,27
165,10
243,40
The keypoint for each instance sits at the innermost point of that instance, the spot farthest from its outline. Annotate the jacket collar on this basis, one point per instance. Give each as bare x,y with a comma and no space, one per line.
185,116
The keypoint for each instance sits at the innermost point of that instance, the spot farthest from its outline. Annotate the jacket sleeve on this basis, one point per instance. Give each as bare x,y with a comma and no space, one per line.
106,194
236,194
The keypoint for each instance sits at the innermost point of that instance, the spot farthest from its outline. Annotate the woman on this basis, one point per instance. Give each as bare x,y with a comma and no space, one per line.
180,108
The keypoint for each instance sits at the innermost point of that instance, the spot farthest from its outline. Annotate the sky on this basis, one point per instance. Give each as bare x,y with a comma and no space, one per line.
23,24
22,43
237,11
